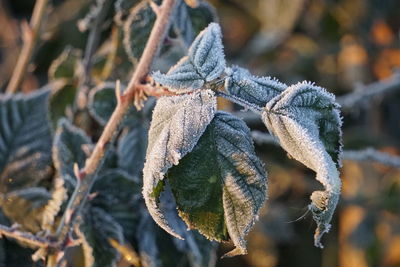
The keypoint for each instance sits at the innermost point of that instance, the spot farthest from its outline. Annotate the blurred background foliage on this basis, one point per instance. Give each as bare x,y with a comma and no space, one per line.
340,45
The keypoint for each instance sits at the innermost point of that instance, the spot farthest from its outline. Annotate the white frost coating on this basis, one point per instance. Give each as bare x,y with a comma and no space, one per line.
305,119
256,90
178,123
205,62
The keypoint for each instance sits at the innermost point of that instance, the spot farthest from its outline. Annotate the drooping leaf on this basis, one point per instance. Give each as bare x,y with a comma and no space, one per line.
137,30
102,103
66,65
190,20
256,90
97,228
61,99
118,194
26,207
25,140
134,139
204,63
68,148
178,123
306,121
221,185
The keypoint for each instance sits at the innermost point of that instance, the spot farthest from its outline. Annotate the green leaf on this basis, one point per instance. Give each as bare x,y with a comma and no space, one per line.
205,62
66,66
189,21
256,90
221,184
133,139
102,103
305,119
178,123
137,29
97,228
118,195
26,207
61,99
68,148
25,140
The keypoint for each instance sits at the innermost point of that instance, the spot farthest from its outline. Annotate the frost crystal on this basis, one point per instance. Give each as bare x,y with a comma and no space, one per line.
305,119
205,62
178,123
256,90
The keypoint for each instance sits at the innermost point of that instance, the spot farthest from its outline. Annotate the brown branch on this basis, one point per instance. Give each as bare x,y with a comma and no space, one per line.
25,237
30,35
133,93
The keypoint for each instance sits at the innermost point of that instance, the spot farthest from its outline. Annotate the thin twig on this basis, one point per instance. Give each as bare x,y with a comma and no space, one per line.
30,35
87,174
25,237
368,154
91,46
365,93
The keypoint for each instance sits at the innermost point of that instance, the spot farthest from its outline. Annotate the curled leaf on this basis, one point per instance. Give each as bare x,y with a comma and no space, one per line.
305,119
178,123
205,62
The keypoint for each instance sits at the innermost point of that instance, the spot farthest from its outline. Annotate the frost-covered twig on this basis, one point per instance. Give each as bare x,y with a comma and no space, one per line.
30,35
25,237
366,93
87,174
374,155
368,154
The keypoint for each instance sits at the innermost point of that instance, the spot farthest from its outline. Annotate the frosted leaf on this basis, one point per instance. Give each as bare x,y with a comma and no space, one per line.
68,148
97,228
25,140
137,29
190,20
177,124
61,99
122,9
305,119
205,62
256,90
221,184
66,65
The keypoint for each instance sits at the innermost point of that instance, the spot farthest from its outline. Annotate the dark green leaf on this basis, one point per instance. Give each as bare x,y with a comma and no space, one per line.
61,98
66,66
98,227
137,30
25,140
68,148
221,185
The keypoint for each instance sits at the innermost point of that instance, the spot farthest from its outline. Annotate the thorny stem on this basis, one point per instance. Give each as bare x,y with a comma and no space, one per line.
30,35
134,92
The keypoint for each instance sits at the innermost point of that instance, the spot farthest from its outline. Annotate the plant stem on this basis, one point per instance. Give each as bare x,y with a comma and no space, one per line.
30,35
25,237
133,92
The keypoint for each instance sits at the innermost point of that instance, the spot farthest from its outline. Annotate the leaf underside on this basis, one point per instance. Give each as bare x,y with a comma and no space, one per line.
306,121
